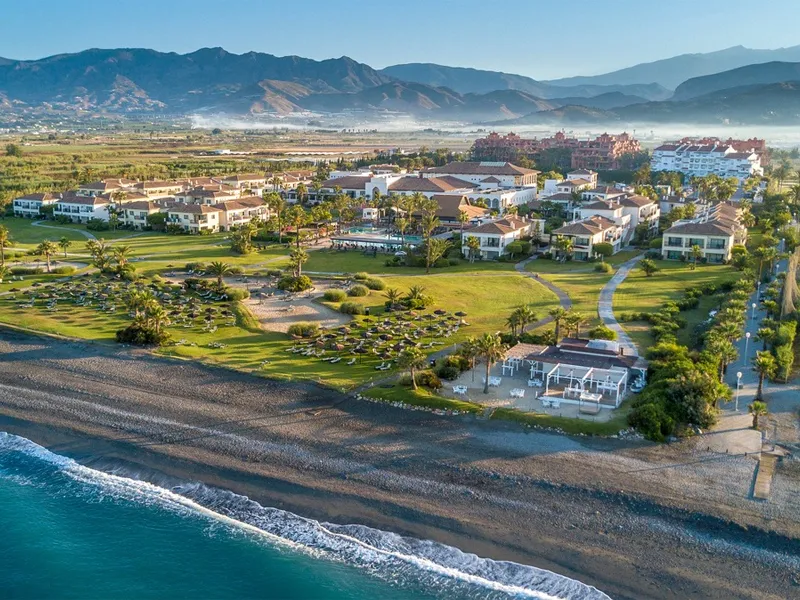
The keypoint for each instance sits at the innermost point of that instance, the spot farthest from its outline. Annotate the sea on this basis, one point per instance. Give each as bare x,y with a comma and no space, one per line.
69,531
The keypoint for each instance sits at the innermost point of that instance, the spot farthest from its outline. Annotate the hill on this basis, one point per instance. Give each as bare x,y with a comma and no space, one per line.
476,81
605,101
671,72
760,74
140,79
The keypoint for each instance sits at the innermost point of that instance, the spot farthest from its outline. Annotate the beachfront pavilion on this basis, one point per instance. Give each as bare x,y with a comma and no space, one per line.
576,378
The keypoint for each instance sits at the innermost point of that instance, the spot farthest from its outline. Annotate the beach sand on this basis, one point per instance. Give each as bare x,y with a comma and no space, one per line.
634,519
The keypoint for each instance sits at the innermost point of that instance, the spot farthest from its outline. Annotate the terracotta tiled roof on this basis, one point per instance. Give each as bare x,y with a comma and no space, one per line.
432,184
589,226
195,209
707,228
349,182
481,168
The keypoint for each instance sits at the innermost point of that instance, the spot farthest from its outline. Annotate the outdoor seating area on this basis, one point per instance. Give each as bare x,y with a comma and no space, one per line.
381,338
201,310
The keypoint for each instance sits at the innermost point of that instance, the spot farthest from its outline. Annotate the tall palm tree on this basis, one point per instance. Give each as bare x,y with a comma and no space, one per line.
474,247
402,223
558,314
5,272
526,317
463,219
696,252
490,349
47,249
5,240
157,317
765,335
723,351
302,193
766,366
277,207
513,322
64,243
219,270
137,302
573,322
757,409
412,359
297,259
469,350
297,217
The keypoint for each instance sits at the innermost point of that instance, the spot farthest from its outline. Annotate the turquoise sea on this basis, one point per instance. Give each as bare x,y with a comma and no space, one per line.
69,531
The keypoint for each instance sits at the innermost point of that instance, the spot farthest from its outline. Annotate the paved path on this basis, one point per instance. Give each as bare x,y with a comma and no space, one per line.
563,298
84,233
605,305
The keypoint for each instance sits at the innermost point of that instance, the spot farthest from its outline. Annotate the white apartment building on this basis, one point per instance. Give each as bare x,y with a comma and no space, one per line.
236,213
704,159
81,209
30,205
134,214
585,234
495,237
715,231
195,218
610,210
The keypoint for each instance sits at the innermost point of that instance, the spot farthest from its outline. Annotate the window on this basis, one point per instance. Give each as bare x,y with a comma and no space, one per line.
673,255
674,241
695,242
716,244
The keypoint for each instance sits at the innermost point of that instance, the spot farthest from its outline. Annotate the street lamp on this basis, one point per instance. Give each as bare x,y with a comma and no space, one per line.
738,387
746,340
753,314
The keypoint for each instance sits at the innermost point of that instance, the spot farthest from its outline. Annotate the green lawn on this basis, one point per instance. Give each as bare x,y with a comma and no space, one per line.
22,231
639,293
326,261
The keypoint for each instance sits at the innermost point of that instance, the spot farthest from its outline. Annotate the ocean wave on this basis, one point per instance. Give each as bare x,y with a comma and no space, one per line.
394,558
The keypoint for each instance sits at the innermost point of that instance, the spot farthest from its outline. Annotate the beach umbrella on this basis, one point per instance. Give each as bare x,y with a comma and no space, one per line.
440,312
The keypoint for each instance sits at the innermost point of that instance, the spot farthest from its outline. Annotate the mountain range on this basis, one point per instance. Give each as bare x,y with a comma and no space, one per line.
212,80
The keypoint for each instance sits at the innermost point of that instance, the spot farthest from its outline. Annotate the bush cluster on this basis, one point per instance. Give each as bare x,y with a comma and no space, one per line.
358,291
334,295
142,336
352,308
305,330
290,283
375,284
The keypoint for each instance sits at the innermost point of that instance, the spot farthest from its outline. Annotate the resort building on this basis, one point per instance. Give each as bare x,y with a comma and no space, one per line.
134,214
81,209
242,210
491,174
495,237
195,218
451,205
715,231
585,234
208,194
251,181
104,186
626,211
704,159
584,175
30,205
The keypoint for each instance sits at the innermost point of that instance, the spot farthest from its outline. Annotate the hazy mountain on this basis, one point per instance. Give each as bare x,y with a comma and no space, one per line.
564,115
760,74
605,101
475,81
671,72
135,79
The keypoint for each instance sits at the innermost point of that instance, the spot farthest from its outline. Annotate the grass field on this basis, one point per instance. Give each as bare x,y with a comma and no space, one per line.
325,261
639,293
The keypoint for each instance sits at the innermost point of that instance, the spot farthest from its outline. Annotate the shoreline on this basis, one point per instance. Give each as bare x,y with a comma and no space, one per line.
481,487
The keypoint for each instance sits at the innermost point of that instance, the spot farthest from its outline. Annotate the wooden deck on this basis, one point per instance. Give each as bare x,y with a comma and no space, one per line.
766,469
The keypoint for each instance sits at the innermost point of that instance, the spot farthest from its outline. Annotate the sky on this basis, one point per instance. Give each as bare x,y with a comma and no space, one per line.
543,39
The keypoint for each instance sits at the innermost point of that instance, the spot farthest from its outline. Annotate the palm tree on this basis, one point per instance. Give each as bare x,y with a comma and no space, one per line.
5,240
277,208
696,252
416,292
393,295
766,366
302,193
757,409
4,273
748,220
276,183
64,243
412,359
558,314
219,270
474,247
157,317
469,350
573,322
297,217
513,322
47,249
723,350
766,335
138,301
297,258
490,349
121,255
526,317
463,218
402,224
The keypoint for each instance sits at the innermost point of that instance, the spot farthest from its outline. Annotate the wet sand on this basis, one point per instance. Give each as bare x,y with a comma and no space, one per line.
633,519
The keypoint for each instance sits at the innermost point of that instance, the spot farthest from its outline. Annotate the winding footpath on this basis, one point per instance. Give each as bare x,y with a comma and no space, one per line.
605,305
88,235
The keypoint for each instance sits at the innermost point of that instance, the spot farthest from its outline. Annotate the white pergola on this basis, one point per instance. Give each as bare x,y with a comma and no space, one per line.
582,380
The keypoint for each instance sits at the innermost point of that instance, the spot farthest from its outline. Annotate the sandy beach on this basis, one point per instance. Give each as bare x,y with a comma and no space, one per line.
634,519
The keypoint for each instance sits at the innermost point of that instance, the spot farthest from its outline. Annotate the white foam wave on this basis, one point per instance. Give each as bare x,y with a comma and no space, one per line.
384,554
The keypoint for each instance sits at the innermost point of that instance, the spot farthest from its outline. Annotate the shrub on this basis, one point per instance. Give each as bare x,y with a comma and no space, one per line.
361,276
97,225
358,291
274,272
351,308
305,330
601,332
295,284
652,421
454,262
448,372
195,266
236,294
335,295
656,243
141,336
375,284
26,271
64,270
545,338
427,379
603,268
441,263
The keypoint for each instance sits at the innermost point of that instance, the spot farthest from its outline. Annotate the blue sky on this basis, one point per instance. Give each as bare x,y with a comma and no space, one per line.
541,39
